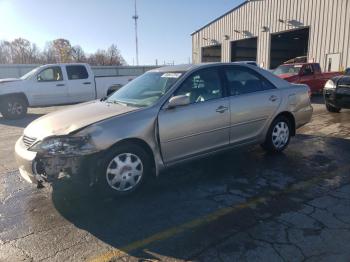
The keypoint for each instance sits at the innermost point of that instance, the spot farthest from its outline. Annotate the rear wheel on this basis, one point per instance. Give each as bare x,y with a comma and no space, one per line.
278,136
124,171
332,109
13,107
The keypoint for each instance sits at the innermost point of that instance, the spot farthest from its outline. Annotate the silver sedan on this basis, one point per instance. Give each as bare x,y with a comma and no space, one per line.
162,118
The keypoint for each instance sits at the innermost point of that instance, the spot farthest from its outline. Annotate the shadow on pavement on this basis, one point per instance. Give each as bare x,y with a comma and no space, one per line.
317,99
20,122
194,190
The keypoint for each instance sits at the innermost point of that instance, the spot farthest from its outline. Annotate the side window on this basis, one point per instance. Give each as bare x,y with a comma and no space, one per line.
50,74
75,72
317,68
202,86
244,81
308,70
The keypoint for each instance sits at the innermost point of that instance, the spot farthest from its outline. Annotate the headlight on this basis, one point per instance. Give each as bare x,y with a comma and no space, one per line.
330,85
69,145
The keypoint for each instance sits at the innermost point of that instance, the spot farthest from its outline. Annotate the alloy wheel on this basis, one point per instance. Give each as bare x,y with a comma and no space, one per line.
14,108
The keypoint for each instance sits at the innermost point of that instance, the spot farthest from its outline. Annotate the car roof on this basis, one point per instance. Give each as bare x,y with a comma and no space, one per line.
188,67
277,81
245,62
63,64
176,68
300,64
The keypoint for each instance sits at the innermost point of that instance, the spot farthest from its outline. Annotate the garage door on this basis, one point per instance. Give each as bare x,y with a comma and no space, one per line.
288,45
211,54
244,50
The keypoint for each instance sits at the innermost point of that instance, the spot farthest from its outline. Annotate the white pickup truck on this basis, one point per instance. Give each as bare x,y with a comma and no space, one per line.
55,84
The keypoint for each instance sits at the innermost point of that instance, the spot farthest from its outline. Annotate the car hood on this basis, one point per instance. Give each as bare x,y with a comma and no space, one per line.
344,80
6,80
66,121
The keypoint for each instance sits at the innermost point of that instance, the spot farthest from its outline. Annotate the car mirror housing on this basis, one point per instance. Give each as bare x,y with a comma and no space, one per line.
181,100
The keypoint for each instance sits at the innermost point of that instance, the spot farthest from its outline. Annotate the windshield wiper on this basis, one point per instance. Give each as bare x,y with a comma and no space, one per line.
116,102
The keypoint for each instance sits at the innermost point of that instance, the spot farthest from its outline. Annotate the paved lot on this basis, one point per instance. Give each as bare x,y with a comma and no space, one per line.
243,205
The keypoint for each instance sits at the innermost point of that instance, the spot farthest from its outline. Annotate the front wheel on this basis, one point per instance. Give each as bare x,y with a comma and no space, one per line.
332,109
13,107
124,170
278,136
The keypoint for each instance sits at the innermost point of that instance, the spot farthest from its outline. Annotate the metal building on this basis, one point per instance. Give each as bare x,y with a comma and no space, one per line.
274,31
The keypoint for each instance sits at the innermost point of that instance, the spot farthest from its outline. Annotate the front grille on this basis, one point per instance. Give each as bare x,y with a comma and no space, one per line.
344,85
343,90
28,141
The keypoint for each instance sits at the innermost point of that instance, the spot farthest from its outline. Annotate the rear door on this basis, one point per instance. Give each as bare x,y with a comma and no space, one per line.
201,126
253,101
50,87
81,86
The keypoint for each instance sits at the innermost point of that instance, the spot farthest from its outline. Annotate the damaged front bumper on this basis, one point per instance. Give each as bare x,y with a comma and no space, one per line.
35,168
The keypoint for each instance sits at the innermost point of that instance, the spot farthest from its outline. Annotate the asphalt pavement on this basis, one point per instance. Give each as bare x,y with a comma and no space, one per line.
243,205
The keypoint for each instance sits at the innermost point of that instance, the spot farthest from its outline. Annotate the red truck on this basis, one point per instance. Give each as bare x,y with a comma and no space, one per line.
305,73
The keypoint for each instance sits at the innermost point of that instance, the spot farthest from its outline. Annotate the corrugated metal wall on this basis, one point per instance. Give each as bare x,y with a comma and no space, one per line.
328,20
15,71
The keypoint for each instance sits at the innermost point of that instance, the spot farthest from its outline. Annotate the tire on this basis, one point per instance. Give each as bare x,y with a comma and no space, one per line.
14,107
332,109
123,166
278,136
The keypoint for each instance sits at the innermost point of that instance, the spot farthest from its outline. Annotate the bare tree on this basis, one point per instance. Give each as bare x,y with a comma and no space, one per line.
22,51
114,56
5,52
34,54
48,55
111,56
78,54
99,58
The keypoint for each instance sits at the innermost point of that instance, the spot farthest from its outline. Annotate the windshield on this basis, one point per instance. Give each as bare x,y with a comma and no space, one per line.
145,90
287,69
29,74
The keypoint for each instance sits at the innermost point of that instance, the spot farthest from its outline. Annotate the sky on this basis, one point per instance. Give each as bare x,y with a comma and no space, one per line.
165,26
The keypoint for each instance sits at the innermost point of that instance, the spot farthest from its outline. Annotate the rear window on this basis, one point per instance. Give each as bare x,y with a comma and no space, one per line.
77,72
287,69
317,68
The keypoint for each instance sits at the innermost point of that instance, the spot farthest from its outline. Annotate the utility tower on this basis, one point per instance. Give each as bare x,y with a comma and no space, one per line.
136,17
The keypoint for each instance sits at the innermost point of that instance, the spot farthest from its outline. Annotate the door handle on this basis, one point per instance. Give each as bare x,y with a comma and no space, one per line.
273,98
60,85
221,109
87,83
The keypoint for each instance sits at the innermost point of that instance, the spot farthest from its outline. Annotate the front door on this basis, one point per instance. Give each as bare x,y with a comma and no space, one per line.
253,100
201,126
50,87
333,62
308,77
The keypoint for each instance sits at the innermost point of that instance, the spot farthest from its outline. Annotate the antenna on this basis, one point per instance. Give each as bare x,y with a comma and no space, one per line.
136,17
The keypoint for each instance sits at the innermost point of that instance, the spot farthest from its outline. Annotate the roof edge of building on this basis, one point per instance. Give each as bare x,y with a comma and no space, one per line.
228,12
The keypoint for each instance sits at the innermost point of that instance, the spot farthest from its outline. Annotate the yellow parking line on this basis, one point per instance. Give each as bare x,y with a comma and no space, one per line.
123,251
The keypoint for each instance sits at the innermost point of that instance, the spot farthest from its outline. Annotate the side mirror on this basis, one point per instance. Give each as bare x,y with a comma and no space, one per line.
176,101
